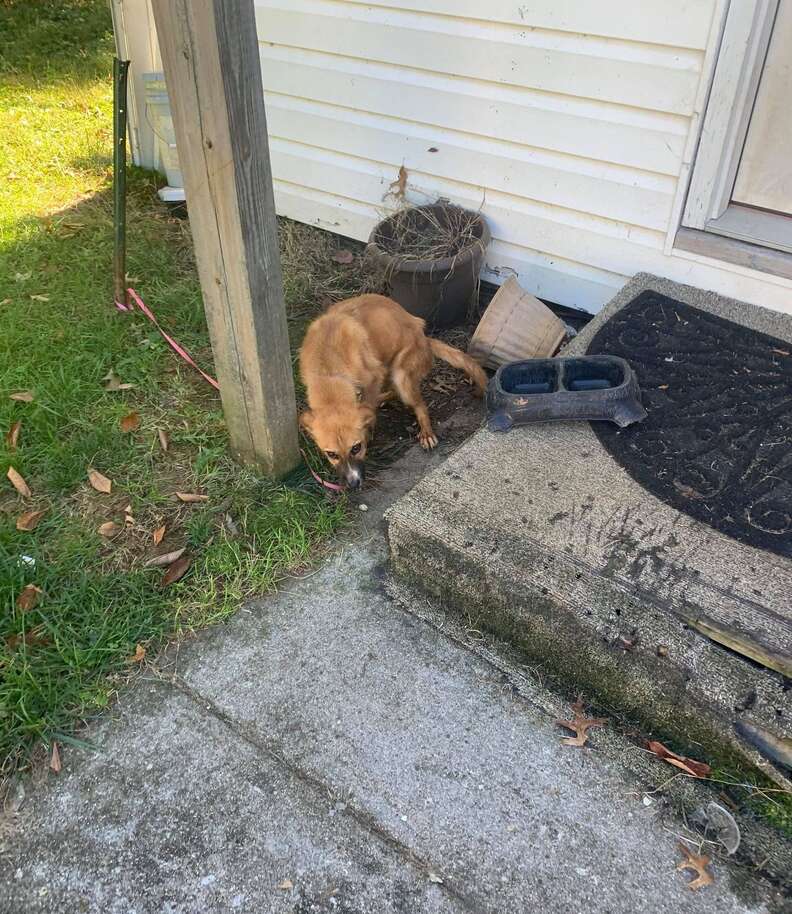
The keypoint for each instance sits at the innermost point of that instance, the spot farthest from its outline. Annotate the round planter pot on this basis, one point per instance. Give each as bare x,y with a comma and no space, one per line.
439,291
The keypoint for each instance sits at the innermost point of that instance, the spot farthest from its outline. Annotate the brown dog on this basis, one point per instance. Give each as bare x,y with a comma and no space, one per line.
350,355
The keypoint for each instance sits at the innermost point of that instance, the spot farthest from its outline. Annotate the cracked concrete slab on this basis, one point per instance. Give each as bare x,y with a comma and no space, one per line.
328,737
178,813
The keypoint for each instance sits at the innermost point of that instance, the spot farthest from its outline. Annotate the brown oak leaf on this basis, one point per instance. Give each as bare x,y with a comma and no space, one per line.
130,423
31,638
12,436
167,558
55,762
29,520
23,396
191,497
688,765
113,382
158,534
18,483
698,864
109,528
28,597
580,725
99,482
140,653
176,571
164,440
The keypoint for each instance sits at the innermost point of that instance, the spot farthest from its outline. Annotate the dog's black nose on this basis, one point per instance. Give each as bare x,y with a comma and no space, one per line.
354,476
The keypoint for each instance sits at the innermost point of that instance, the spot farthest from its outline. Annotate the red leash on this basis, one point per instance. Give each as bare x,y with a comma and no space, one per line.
169,339
181,351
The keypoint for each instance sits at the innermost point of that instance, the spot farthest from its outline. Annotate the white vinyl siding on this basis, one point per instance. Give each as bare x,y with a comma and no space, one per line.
571,123
566,125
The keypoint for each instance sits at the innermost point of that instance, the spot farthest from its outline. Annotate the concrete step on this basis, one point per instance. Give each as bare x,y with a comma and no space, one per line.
540,537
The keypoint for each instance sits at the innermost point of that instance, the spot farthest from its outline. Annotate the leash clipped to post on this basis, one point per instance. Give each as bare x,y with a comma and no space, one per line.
120,71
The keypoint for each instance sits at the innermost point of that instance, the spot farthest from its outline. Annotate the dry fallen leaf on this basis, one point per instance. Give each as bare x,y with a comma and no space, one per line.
176,571
99,482
31,638
109,528
29,520
158,535
166,558
398,188
688,765
687,491
780,351
55,762
286,885
28,597
113,382
698,864
18,483
190,497
12,436
22,396
580,725
130,423
343,256
163,439
140,653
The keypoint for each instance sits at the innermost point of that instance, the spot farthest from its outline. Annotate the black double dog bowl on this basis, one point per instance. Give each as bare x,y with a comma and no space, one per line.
589,387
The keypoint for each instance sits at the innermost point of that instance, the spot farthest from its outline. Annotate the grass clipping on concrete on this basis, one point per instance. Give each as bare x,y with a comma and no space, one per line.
84,369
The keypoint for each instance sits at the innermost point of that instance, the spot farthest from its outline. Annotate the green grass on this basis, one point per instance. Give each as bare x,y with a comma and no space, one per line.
59,337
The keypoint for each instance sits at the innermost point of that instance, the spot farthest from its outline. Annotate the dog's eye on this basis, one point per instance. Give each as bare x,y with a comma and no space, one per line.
356,449
332,455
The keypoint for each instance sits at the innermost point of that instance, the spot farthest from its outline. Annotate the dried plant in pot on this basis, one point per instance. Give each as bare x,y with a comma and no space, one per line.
431,256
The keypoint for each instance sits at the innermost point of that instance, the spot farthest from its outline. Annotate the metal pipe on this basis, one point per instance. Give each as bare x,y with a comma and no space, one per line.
120,68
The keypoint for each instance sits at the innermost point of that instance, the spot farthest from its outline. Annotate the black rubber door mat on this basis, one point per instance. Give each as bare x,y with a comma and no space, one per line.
717,443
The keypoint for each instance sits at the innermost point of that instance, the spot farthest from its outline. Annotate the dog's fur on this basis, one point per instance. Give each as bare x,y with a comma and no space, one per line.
354,357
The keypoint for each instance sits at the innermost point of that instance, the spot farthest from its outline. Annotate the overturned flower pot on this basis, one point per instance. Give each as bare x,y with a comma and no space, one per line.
432,257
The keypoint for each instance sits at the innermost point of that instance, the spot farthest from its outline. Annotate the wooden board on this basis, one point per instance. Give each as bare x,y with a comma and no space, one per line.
211,61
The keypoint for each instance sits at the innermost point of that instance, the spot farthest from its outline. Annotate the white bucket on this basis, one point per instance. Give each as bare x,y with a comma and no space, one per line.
159,118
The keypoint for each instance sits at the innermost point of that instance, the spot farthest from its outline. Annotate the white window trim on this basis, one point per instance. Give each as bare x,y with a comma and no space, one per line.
743,48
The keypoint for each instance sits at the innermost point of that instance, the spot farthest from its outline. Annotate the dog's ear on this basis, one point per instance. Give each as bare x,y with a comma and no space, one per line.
306,420
369,417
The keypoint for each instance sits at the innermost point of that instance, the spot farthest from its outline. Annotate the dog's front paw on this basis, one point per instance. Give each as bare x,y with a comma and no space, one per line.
427,440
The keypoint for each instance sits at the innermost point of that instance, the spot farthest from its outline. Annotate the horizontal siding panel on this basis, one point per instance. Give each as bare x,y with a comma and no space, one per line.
574,236
348,84
613,193
681,23
327,26
549,277
346,217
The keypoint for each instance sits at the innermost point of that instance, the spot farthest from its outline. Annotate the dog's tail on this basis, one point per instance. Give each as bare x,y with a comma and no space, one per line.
463,362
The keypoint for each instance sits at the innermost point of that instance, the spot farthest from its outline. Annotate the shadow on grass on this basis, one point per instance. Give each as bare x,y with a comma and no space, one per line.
60,336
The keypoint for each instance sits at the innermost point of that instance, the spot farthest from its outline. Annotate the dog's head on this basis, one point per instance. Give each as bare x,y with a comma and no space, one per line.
342,434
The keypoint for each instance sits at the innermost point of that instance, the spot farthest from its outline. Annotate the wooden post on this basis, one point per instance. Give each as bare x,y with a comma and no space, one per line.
211,60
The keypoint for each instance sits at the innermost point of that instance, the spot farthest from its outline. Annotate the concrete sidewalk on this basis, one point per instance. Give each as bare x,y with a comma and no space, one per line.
329,751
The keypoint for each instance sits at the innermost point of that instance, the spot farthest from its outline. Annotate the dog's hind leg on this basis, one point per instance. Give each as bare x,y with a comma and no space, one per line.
408,388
